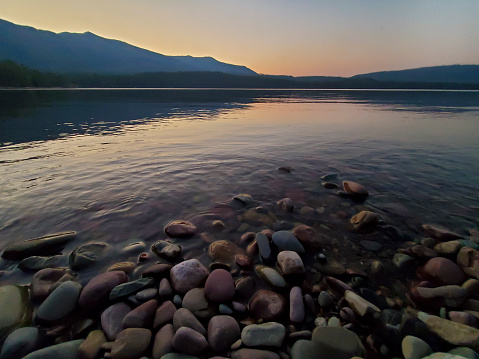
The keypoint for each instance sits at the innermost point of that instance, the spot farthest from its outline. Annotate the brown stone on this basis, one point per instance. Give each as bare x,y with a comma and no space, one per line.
224,252
180,229
442,271
219,286
98,289
308,237
267,305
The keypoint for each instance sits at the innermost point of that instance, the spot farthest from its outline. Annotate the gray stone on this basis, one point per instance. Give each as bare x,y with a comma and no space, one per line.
296,305
67,350
112,319
146,294
271,276
264,248
325,299
305,349
290,262
286,241
184,318
467,353
60,303
360,305
337,343
35,263
267,334
20,342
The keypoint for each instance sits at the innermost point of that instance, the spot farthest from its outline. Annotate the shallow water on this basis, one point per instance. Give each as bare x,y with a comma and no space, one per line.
118,165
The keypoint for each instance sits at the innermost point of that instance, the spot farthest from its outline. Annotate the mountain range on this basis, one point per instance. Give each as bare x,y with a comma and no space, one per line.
87,53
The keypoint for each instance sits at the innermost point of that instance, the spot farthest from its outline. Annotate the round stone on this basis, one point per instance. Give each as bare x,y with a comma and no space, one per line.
180,229
290,262
20,342
308,237
188,275
131,343
286,241
189,341
98,289
219,286
267,305
223,331
16,310
269,334
224,251
112,319
60,303
337,343
442,271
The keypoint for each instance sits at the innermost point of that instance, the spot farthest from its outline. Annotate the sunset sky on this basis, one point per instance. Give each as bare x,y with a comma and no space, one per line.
295,37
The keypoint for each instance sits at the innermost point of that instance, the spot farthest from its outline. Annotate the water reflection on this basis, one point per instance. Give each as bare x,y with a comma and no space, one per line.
39,115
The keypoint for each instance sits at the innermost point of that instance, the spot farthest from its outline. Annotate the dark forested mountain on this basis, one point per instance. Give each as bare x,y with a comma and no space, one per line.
443,74
80,53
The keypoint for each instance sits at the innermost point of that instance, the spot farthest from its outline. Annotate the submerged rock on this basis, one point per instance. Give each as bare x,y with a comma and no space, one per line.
267,305
86,255
180,229
41,246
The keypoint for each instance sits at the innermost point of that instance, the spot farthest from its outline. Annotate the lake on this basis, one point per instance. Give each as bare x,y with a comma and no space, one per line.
118,165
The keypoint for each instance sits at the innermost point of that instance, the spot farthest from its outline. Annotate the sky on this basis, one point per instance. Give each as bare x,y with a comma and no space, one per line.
280,37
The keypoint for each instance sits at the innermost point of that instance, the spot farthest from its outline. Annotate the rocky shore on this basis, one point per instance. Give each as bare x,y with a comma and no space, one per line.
270,283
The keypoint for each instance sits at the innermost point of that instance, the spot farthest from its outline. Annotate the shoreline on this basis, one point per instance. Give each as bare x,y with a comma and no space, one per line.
290,284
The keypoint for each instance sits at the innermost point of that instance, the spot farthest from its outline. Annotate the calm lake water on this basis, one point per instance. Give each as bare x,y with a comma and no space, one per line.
118,165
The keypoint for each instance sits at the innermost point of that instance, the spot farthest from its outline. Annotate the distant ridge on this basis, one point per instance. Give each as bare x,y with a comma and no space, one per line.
88,53
434,74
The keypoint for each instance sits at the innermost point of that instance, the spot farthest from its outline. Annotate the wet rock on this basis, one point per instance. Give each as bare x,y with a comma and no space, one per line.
443,356
195,301
265,251
86,255
329,176
419,251
91,347
35,263
330,266
304,349
165,289
372,297
189,341
286,241
223,331
286,204
440,233
219,286
325,299
166,250
184,318
365,222
245,287
98,289
180,229
45,280
403,262
267,305
243,261
128,288
442,271
20,342
163,343
224,252
274,279
60,303
450,295
290,263
468,261
41,246
16,310
454,333
134,248
126,267
285,169
371,246
337,286
67,350
246,353
131,343
464,352
358,192
360,305
188,275
243,198
415,348
157,271
296,305
164,314
142,316
337,343
330,185
308,237
463,318
268,334
112,319
146,294
448,248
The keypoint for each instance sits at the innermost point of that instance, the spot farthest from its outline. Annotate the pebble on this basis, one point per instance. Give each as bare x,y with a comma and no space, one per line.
440,233
271,276
163,343
126,267
45,279
243,198
224,309
86,255
246,353
126,289
142,316
224,251
60,303
264,247
360,305
184,318
442,271
189,341
67,350
325,299
308,237
165,289
365,222
358,191
35,263
296,305
91,347
267,305
415,348
97,290
131,343
164,314
20,342
19,311
180,229
286,241
286,204
468,261
188,275
337,343
219,286
112,319
290,262
146,294
167,250
269,334
223,331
